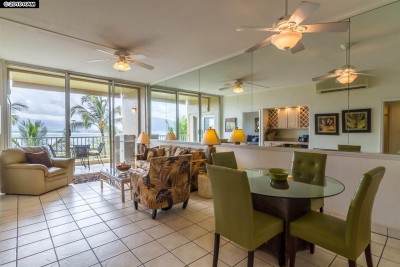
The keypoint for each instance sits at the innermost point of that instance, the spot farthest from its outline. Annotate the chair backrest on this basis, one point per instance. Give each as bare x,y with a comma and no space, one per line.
358,223
233,205
171,171
309,167
224,159
349,148
53,152
81,151
100,148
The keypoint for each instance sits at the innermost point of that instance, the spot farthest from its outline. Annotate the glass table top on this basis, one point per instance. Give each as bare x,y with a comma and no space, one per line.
260,183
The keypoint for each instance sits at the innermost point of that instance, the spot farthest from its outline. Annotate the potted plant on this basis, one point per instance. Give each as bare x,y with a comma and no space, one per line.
170,132
270,133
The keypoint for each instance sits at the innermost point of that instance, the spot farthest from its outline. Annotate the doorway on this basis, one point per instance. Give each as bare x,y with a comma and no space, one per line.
391,127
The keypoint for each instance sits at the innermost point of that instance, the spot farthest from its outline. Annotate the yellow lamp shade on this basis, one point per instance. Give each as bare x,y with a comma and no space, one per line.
237,136
143,138
210,137
286,39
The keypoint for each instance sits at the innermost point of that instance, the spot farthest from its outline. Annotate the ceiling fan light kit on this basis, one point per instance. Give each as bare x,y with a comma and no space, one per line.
286,40
346,78
121,66
238,89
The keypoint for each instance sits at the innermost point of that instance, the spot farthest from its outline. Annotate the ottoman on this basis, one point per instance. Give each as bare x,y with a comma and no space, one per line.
204,184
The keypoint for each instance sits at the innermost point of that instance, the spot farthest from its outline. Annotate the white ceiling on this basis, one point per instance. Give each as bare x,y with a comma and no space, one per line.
176,35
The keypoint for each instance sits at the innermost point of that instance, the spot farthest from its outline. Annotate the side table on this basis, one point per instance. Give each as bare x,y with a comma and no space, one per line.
204,184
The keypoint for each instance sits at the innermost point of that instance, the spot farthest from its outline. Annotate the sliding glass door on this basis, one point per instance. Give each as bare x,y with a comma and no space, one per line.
36,104
94,120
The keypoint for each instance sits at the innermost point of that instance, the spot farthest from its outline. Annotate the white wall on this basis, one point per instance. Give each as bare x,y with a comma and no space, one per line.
384,87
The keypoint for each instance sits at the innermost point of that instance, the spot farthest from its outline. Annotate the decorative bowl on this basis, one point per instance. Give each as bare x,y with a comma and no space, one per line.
123,167
278,174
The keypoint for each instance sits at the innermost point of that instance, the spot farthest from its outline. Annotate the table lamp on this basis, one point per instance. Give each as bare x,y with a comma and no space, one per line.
143,140
237,136
210,138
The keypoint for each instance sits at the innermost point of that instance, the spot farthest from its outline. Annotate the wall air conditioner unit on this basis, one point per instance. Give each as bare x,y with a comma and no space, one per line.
330,85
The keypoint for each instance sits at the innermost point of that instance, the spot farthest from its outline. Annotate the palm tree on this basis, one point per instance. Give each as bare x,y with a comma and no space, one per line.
33,133
15,107
93,112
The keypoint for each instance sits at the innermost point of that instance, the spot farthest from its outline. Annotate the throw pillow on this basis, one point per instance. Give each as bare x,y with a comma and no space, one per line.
39,158
180,151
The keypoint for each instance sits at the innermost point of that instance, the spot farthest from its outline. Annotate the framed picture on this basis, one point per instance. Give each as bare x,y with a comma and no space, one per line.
356,121
327,124
257,125
230,124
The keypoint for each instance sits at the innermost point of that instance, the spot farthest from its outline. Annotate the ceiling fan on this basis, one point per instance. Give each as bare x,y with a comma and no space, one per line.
123,59
288,31
345,74
238,86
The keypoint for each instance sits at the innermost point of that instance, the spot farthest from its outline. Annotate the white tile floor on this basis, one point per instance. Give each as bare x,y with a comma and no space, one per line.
81,225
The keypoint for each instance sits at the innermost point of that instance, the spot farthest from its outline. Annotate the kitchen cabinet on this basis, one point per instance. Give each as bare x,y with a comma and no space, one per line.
288,117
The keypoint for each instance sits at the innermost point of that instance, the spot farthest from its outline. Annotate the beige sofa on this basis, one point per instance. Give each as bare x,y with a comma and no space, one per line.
20,177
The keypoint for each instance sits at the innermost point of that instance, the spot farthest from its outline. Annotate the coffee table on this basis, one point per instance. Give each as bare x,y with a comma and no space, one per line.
119,179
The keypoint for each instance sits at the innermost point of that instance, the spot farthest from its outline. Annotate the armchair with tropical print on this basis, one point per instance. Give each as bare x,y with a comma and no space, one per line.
165,184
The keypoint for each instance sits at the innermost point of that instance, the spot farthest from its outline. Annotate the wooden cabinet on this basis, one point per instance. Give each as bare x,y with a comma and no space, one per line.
288,117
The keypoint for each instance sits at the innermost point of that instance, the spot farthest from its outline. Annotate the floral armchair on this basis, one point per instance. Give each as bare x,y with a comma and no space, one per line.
166,183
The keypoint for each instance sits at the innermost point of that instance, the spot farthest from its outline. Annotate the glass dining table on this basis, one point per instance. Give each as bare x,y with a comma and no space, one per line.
287,200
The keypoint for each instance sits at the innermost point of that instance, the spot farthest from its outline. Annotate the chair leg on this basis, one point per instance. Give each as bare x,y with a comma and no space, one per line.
154,214
101,160
185,204
216,249
136,205
368,255
250,258
282,260
292,250
312,248
352,263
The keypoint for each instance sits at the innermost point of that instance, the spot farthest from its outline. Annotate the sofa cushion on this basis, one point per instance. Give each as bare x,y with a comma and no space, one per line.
197,154
54,171
39,158
12,155
155,152
169,150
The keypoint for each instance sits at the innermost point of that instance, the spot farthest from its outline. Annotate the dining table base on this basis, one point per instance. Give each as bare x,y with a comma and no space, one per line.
287,209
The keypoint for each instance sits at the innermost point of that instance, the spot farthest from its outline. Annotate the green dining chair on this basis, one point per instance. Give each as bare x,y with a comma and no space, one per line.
348,238
235,217
310,168
224,159
349,148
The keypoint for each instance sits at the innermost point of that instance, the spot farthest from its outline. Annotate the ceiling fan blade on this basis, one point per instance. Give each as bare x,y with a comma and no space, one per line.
137,55
103,51
98,60
256,29
340,26
225,88
323,77
260,44
258,85
143,65
365,74
303,11
297,48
